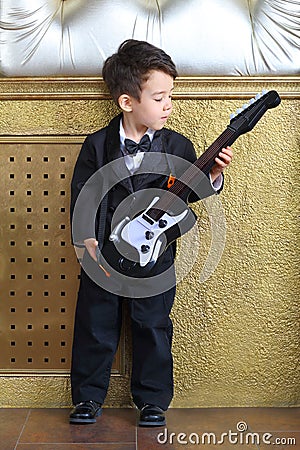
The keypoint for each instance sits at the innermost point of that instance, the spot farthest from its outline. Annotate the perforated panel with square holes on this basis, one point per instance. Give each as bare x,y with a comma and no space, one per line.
38,268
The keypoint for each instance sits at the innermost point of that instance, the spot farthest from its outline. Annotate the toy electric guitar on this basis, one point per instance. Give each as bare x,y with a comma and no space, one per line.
137,242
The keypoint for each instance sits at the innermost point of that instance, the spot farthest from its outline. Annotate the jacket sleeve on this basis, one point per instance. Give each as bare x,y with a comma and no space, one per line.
85,191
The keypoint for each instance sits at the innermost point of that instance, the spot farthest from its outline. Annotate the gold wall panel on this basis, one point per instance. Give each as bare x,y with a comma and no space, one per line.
39,274
236,339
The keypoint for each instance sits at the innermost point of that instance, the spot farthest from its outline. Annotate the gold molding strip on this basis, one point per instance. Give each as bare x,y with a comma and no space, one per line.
35,373
39,139
93,88
47,373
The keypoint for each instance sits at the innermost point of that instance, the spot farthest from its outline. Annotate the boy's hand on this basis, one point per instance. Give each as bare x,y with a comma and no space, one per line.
221,162
91,245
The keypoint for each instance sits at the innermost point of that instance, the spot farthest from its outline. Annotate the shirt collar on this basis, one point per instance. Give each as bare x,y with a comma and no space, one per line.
123,136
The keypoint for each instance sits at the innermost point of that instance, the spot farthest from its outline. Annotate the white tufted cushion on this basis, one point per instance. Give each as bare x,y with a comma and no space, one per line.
204,37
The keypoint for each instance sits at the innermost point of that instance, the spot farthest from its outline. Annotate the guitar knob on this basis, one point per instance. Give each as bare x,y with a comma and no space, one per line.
149,235
162,223
145,248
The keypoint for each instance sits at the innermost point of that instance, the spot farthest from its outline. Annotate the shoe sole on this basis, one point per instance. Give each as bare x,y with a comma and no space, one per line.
85,421
151,424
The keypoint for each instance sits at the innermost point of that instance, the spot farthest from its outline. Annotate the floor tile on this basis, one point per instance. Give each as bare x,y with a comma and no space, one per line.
192,428
273,419
236,428
11,425
52,426
283,440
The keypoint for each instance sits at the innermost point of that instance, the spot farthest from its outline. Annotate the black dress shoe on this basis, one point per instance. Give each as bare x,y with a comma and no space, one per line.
85,412
152,416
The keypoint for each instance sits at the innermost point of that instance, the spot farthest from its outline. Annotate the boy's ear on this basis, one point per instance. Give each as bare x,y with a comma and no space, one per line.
125,102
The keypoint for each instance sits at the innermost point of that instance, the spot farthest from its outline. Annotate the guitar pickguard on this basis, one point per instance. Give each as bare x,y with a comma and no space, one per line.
143,234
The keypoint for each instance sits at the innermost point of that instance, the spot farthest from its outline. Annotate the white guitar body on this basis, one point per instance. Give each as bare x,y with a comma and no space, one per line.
145,235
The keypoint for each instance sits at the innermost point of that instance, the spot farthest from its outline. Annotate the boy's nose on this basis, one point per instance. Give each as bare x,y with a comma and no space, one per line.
168,104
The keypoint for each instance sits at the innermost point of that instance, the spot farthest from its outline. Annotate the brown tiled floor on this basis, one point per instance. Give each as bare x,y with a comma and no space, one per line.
48,429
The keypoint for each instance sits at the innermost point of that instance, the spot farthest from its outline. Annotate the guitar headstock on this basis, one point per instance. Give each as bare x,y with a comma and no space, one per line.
247,117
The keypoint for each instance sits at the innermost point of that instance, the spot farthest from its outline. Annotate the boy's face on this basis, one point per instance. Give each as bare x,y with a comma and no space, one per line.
155,105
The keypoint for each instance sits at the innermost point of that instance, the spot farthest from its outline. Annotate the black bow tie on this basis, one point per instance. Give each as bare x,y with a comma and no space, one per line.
143,146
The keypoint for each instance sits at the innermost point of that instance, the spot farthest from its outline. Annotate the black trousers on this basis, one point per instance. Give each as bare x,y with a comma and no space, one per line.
97,329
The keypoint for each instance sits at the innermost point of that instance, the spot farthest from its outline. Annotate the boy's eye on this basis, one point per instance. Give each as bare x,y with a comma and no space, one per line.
158,99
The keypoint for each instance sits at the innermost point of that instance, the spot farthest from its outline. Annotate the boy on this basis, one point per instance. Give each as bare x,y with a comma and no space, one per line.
140,78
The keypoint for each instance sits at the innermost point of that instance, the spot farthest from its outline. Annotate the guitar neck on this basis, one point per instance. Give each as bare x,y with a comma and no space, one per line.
191,177
207,159
240,123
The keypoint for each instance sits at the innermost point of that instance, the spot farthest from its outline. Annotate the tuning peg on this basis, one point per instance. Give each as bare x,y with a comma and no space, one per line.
259,95
264,91
239,110
245,106
251,101
232,116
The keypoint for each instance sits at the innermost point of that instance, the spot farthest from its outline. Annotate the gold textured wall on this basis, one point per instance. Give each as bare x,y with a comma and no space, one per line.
236,335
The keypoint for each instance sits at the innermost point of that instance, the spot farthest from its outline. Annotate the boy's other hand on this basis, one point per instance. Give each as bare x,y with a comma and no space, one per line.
221,162
91,245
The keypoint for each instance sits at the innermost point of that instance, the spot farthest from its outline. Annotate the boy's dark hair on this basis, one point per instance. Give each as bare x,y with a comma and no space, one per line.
125,71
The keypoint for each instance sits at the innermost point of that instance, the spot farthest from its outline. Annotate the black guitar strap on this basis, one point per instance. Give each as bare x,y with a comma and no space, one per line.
102,217
169,158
